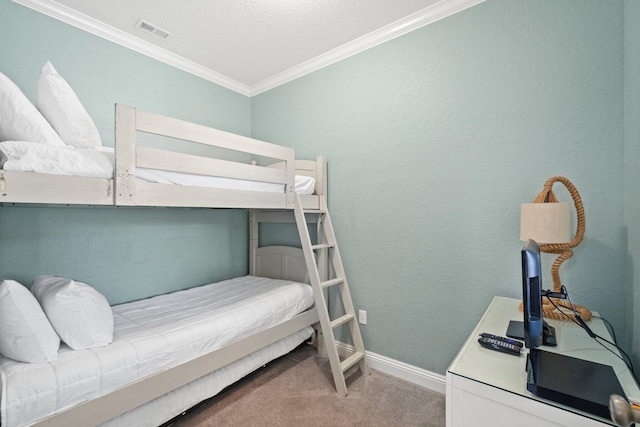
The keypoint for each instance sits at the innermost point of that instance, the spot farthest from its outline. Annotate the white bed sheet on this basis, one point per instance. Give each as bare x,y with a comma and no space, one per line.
25,156
150,335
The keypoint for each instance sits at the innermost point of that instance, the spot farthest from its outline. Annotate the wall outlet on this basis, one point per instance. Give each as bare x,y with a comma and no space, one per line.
362,317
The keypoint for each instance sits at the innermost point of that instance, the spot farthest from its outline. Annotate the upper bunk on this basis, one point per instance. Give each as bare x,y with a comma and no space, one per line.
206,168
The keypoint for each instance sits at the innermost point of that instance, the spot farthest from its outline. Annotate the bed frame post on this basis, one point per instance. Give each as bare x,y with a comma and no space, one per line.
125,157
321,176
254,227
290,187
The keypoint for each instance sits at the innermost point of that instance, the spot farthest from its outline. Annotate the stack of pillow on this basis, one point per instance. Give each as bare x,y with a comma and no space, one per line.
59,119
32,324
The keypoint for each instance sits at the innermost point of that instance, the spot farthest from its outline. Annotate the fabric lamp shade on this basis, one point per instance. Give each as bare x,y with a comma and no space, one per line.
545,222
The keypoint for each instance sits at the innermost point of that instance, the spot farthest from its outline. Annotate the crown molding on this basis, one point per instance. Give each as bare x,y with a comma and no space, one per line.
398,28
100,29
403,26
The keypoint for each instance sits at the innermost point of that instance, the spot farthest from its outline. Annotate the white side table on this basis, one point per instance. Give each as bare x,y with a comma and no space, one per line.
488,388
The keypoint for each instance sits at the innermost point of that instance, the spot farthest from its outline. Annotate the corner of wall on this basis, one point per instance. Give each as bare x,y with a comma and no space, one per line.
632,166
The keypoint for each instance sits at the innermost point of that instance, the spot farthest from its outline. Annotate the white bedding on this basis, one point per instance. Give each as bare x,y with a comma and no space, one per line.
25,156
168,406
149,336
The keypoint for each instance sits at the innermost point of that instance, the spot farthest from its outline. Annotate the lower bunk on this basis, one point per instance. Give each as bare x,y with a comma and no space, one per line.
169,353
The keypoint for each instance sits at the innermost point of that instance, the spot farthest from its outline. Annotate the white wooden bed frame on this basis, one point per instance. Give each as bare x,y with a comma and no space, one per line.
117,402
125,190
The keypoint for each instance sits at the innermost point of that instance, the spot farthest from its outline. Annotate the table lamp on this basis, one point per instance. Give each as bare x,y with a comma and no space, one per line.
548,222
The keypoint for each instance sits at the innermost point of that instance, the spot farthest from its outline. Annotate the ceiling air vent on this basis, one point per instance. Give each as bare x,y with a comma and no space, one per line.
148,27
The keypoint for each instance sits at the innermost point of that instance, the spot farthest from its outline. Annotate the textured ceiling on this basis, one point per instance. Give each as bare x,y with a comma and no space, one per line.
246,41
250,40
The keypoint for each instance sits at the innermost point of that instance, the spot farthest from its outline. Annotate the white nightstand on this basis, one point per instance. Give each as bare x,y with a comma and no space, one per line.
488,388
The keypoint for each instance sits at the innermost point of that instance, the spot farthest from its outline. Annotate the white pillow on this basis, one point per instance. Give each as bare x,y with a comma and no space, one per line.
20,120
25,333
60,105
81,316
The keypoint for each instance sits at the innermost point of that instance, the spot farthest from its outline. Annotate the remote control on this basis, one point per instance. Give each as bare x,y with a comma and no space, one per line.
507,340
498,345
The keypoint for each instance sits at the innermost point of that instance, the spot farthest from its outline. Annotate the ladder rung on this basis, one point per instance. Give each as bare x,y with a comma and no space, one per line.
332,282
323,245
351,360
342,320
314,211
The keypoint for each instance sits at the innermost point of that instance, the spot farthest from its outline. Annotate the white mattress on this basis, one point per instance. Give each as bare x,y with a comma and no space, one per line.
149,336
37,157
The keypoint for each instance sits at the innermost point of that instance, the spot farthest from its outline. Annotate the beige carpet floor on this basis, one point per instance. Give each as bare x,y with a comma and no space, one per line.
297,390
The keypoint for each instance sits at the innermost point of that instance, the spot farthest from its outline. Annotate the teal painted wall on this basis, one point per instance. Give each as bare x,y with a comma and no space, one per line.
434,139
632,167
125,253
103,74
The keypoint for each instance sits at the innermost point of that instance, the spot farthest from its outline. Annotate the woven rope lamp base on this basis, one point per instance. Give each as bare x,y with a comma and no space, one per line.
563,250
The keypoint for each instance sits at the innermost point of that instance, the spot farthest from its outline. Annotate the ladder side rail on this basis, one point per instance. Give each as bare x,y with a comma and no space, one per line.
323,268
347,301
321,302
338,266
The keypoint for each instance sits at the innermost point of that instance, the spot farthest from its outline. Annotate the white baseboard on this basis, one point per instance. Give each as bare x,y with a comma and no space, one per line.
404,371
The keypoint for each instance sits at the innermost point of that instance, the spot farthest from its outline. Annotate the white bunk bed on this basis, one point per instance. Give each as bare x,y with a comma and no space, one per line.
121,186
157,391
166,354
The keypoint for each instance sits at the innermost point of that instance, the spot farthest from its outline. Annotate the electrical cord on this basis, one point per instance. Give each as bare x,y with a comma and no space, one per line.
578,321
609,327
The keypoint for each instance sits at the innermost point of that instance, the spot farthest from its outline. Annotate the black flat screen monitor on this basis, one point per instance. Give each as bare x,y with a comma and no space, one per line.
532,295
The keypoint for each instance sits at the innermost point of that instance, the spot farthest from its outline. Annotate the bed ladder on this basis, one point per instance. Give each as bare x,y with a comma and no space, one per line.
325,251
